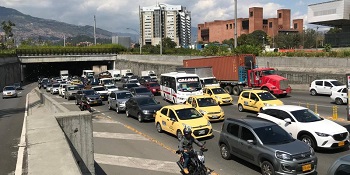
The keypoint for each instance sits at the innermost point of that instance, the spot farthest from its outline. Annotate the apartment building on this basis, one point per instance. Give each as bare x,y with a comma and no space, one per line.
165,21
220,30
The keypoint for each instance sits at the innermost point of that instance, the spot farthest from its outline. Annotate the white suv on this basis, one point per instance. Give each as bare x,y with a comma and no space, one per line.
340,95
323,86
61,89
305,125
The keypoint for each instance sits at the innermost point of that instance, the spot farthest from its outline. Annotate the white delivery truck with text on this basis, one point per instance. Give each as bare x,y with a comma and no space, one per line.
150,73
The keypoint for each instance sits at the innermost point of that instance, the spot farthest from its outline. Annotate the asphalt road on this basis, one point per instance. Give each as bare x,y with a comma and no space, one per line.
11,122
213,158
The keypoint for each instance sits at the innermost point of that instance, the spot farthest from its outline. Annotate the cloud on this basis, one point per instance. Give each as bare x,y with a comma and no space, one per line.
117,15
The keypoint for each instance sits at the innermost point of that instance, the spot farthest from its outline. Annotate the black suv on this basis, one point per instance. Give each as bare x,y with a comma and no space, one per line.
265,144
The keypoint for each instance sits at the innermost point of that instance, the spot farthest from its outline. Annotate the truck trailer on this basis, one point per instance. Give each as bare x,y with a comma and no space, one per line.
241,71
205,74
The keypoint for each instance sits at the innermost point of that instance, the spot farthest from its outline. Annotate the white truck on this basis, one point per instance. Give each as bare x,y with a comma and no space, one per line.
150,73
64,75
88,74
126,72
205,74
115,74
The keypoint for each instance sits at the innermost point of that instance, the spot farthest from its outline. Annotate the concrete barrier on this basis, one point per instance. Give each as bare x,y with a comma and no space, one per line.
76,127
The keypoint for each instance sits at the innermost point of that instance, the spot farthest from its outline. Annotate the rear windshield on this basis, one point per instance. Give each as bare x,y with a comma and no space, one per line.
141,90
99,89
9,88
154,85
337,83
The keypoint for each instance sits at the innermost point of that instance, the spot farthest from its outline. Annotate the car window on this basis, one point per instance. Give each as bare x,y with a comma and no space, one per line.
172,114
283,115
343,169
164,111
319,83
337,83
245,94
194,102
219,91
189,100
246,134
204,102
254,97
233,129
113,95
345,90
188,114
328,84
266,96
305,116
273,134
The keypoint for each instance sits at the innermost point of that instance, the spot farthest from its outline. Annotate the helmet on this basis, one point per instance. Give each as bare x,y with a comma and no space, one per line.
187,131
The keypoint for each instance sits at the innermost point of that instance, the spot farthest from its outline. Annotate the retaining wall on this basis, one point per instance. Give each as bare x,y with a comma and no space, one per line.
10,71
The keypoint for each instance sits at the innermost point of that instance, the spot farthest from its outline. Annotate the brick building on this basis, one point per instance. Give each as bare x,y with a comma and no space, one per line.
220,30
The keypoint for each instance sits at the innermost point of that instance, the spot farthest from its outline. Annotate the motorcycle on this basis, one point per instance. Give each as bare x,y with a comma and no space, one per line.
196,164
85,106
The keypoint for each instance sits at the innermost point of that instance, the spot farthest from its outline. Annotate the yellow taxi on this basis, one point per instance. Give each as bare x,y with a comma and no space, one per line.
207,106
76,82
255,100
220,95
174,118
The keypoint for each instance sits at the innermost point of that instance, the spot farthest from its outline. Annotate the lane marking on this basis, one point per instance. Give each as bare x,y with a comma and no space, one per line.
133,162
22,143
217,131
109,117
125,136
103,113
105,121
68,103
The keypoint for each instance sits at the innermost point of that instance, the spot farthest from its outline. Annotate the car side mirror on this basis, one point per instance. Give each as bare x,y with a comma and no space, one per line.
288,120
253,142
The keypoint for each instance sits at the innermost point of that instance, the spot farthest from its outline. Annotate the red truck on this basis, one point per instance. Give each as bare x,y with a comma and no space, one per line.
237,72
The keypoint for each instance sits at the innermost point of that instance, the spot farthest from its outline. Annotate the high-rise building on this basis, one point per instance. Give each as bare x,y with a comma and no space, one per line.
165,21
122,40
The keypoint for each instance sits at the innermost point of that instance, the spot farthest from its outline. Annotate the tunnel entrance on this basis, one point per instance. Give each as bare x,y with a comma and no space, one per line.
32,71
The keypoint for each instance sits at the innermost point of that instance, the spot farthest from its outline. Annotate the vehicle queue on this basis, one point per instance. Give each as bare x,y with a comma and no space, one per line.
195,107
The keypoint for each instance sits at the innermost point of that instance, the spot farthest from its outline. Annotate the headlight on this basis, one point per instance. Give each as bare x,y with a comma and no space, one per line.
208,124
221,110
322,134
219,98
186,126
266,104
203,112
145,111
89,99
282,155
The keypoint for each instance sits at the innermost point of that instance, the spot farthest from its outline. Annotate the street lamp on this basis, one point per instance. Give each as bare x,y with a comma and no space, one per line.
140,38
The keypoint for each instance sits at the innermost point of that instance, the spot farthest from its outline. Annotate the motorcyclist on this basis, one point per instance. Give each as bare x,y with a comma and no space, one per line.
185,146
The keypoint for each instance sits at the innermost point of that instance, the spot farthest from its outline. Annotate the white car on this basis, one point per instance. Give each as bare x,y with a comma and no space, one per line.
323,86
305,125
54,89
340,96
110,88
61,89
9,91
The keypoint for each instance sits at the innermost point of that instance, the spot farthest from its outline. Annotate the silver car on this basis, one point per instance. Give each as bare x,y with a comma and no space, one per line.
54,89
70,91
9,91
117,100
340,166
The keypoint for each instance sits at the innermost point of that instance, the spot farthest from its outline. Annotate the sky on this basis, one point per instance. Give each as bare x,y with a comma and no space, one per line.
117,15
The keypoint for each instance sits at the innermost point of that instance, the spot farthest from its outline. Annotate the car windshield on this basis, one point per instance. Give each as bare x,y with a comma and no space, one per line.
72,88
124,95
266,96
141,90
107,81
273,134
188,114
154,85
337,83
189,86
99,89
129,74
133,81
89,92
146,101
152,75
9,88
204,102
210,81
219,91
146,77
132,85
306,116
268,72
56,85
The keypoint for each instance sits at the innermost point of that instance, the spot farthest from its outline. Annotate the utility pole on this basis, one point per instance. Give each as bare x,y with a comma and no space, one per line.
235,26
141,30
95,29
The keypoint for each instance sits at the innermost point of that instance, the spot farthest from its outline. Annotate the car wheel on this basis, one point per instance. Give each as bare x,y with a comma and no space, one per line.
76,102
313,92
240,108
308,140
127,113
225,152
159,128
179,134
338,101
109,106
117,109
267,168
65,97
139,118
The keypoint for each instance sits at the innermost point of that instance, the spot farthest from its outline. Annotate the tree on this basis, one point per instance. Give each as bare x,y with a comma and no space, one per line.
168,43
7,28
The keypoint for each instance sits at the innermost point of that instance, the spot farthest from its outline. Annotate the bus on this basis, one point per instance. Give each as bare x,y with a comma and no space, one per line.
176,87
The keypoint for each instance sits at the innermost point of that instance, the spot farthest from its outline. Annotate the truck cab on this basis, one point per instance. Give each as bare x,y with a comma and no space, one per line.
88,74
267,79
209,82
127,73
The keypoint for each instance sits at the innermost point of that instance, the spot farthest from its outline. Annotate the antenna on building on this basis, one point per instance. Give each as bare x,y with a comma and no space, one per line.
95,29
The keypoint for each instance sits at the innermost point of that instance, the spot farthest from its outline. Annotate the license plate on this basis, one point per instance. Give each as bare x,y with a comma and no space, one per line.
214,116
341,143
306,167
201,132
94,102
284,91
8,93
226,100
